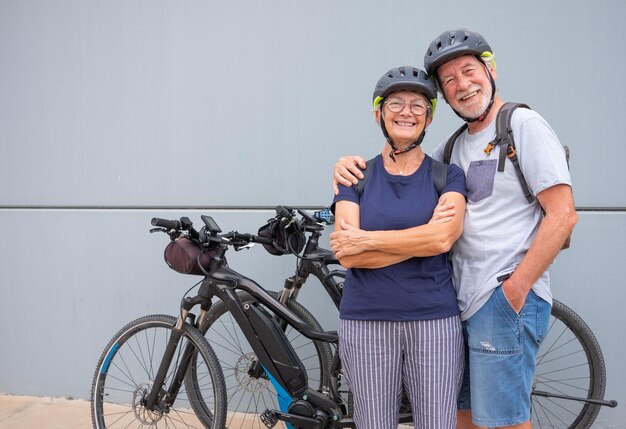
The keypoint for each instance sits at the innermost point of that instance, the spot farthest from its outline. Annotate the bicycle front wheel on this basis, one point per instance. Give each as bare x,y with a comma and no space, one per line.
570,367
249,390
127,369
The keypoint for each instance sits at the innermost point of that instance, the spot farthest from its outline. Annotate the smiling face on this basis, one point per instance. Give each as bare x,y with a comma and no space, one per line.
466,85
405,126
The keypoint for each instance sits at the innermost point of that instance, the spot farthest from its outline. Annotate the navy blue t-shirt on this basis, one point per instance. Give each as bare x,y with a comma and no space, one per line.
419,288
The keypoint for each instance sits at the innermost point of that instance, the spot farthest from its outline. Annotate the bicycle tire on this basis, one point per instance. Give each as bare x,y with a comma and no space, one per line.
570,363
248,396
128,366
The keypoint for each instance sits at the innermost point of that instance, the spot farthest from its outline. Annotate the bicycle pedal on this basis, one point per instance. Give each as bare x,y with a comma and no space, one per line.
269,418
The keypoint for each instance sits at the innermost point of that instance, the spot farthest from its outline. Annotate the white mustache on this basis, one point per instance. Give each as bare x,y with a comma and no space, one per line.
471,89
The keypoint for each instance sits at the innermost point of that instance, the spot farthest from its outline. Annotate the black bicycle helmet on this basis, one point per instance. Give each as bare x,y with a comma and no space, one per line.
452,44
405,78
455,43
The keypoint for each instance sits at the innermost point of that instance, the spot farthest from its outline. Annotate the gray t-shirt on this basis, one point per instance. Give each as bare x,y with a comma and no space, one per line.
500,224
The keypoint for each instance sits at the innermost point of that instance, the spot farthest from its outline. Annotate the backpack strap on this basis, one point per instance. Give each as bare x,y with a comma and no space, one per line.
369,166
439,171
504,139
447,151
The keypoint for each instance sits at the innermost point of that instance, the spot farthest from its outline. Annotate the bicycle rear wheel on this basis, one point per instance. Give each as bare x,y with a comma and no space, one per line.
249,390
569,365
128,366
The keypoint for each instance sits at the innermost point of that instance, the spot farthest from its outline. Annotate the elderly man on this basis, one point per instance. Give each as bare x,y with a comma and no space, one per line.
508,243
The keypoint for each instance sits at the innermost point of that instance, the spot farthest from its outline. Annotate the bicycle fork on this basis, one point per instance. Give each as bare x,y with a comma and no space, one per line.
159,399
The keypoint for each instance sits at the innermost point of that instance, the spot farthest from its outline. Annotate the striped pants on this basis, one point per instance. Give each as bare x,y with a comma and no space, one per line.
379,357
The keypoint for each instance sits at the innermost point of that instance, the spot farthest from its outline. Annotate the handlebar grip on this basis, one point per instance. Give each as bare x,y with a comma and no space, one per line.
165,223
262,240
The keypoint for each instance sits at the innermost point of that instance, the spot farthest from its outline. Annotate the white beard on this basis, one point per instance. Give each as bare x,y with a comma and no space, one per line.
478,107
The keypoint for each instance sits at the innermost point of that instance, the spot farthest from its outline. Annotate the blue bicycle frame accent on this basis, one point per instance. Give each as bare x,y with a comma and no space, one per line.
284,400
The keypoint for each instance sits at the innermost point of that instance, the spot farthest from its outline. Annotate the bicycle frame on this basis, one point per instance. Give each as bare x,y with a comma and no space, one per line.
267,339
315,260
269,343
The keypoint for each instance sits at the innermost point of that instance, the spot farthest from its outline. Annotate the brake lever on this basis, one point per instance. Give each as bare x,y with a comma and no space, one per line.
244,246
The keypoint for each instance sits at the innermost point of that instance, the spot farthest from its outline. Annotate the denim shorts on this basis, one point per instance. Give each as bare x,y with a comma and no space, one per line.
501,349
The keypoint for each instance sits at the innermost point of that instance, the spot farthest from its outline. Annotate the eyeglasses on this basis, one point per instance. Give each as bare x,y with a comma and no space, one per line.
396,105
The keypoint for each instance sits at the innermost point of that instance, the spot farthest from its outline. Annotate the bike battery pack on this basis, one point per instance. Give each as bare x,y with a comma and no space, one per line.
279,357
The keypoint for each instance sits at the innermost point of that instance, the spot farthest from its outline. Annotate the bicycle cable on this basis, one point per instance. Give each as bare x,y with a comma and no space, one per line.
182,301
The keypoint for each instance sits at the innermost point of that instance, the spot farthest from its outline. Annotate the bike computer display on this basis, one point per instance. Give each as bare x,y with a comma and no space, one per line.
210,224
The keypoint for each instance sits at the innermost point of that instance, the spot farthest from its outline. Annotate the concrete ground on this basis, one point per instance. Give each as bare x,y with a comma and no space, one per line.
29,412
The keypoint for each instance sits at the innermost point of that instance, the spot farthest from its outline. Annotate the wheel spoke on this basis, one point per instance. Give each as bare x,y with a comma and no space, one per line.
570,364
120,390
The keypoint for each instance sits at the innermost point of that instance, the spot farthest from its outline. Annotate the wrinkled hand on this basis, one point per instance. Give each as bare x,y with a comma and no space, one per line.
347,171
444,212
513,294
348,241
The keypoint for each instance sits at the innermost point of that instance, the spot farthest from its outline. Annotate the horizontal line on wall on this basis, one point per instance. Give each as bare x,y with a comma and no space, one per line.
601,209
239,208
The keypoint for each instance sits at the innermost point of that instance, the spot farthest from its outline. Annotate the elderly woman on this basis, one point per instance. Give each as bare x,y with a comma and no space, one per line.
399,316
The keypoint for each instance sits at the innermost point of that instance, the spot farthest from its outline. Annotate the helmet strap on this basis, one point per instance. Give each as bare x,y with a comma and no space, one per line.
395,151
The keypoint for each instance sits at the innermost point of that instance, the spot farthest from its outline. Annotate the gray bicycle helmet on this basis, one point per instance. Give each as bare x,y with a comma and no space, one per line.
452,44
455,43
405,78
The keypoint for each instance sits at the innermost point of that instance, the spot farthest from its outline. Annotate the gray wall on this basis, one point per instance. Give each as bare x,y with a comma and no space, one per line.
112,112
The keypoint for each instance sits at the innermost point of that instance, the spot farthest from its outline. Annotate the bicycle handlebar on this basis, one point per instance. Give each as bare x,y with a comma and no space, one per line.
235,236
165,223
184,224
308,216
211,231
230,238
